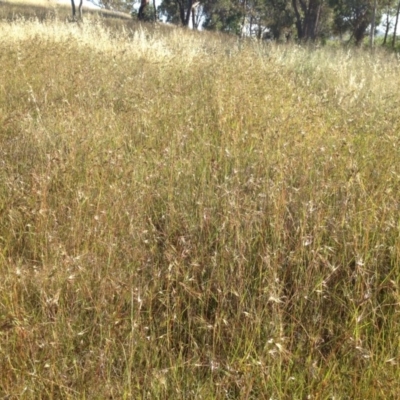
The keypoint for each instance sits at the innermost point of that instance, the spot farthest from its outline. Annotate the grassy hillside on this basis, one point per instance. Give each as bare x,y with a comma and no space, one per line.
183,216
49,9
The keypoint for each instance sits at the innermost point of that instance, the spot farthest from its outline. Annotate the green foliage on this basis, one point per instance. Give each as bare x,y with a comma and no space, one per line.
305,20
279,17
226,16
352,16
148,15
170,11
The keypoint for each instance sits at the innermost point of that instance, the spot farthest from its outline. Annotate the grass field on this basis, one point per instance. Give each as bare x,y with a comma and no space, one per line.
186,216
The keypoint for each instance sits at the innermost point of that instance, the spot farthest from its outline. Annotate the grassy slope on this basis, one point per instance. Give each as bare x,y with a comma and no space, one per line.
184,216
45,9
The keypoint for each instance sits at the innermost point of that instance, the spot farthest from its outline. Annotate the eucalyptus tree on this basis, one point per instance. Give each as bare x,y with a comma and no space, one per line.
179,11
308,17
169,11
354,17
224,15
256,18
390,12
74,9
279,18
395,25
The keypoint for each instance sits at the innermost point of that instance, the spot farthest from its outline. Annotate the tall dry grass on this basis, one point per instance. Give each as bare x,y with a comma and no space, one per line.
188,216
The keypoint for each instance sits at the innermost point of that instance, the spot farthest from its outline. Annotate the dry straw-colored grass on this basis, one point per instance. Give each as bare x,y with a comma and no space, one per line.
187,216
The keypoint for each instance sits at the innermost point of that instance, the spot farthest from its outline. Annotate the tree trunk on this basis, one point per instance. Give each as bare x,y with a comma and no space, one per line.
299,26
185,15
80,10
244,19
181,7
372,33
395,25
307,18
188,12
73,9
386,29
142,8
311,20
316,24
359,32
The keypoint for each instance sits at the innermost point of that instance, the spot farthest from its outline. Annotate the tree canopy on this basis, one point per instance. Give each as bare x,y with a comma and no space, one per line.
305,20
